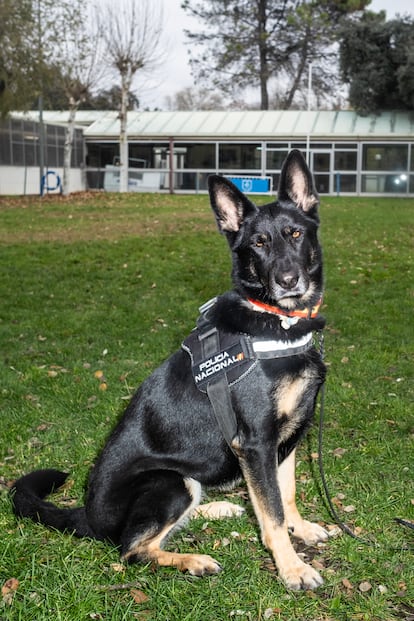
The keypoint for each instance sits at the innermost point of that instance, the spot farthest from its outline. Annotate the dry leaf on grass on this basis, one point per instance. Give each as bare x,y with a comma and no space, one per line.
365,586
8,590
138,596
347,584
118,567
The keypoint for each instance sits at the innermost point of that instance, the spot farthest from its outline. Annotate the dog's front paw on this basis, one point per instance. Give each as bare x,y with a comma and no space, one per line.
309,532
300,577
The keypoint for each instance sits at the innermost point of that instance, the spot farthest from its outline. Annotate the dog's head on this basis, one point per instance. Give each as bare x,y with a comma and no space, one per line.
277,258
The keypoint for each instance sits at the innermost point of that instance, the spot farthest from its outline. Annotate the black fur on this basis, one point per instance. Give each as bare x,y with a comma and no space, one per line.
168,436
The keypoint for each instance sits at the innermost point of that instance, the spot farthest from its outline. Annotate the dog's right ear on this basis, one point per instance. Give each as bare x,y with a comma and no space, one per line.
231,207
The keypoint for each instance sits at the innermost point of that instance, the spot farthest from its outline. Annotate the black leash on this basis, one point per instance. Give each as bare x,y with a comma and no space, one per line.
332,510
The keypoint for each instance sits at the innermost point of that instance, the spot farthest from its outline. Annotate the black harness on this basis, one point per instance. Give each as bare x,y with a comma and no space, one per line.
221,359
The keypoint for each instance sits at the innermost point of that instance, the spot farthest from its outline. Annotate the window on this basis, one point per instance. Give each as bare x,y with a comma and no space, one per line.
197,155
240,156
385,184
275,158
102,153
345,183
385,157
345,160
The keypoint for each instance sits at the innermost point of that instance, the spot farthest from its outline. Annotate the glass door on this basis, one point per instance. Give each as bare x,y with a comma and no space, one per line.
321,166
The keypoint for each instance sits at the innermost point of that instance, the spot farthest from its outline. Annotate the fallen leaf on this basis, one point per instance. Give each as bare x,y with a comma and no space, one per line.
338,452
43,427
138,596
103,386
349,509
118,567
347,584
365,586
98,374
8,590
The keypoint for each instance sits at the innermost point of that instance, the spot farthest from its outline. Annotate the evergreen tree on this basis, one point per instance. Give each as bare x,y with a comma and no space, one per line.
250,43
377,61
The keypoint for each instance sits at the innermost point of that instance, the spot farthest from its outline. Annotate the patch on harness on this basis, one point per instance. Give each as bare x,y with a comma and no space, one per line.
206,370
231,358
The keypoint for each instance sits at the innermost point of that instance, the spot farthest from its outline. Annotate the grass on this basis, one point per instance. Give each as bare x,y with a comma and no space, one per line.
111,284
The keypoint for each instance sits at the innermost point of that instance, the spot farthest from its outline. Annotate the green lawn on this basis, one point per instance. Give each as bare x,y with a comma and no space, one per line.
95,291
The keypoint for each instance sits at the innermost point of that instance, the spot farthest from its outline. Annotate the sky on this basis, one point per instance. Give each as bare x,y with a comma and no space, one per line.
175,75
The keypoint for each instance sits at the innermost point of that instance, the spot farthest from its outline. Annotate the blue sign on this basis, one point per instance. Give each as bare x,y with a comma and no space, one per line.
50,182
259,185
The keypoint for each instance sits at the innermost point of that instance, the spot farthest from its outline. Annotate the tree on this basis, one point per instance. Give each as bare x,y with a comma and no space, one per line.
18,56
109,99
132,31
77,52
250,43
49,53
196,99
377,61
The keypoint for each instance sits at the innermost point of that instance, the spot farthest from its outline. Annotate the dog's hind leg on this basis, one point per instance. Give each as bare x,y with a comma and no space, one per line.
309,532
164,500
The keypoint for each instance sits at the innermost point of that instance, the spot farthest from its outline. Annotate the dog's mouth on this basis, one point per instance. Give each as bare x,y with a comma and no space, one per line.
292,296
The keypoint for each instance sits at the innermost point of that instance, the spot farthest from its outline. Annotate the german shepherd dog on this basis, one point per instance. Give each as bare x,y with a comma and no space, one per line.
168,445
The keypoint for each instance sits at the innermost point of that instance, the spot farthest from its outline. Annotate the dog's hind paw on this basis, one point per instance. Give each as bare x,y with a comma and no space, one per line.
301,577
218,510
201,565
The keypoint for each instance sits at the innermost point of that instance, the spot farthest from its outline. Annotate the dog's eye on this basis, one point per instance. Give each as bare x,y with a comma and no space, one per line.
296,234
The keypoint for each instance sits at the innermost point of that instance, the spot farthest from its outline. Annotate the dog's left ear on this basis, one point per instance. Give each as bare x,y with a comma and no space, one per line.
296,183
231,207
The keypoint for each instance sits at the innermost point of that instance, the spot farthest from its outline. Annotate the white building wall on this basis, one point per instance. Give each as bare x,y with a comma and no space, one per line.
19,180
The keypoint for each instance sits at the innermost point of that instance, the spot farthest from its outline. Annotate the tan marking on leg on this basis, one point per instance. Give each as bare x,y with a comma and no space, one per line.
286,399
149,549
288,394
309,532
218,510
295,573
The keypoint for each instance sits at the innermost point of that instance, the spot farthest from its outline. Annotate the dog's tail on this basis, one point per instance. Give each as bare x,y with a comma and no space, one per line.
28,495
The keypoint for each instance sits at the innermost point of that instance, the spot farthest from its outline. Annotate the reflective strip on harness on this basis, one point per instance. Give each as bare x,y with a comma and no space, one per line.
215,353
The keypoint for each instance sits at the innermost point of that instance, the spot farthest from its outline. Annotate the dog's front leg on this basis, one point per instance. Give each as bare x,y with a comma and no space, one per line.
259,471
309,532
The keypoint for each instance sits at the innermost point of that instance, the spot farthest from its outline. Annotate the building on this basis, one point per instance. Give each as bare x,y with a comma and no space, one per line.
348,154
20,143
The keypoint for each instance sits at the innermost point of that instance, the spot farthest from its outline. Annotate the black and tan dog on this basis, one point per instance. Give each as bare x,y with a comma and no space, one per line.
262,375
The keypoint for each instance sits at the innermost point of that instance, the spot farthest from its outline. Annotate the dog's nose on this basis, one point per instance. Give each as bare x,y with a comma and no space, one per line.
289,280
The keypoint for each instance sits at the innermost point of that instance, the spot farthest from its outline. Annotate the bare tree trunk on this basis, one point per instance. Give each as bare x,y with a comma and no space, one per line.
264,70
132,33
67,151
123,135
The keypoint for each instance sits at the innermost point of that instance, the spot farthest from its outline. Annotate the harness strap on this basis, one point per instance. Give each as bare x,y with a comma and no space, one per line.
225,361
218,390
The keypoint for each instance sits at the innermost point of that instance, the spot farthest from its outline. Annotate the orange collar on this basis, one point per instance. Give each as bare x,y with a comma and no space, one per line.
310,313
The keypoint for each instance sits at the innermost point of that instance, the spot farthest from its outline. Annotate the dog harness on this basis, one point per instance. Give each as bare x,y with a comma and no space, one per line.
221,359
